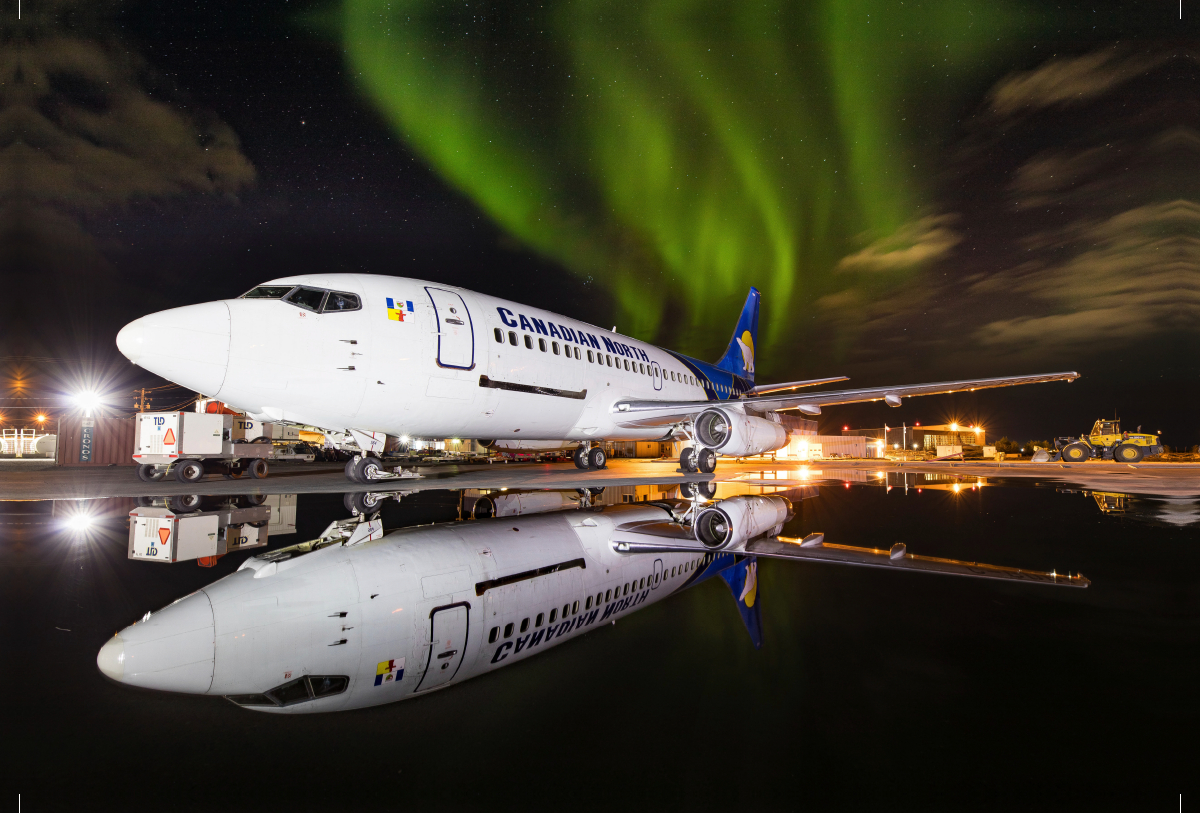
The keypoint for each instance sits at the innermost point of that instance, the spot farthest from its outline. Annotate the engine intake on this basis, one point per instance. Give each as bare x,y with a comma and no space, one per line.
730,523
736,434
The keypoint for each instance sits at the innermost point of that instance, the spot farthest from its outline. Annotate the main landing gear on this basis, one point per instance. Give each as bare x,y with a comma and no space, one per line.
703,461
586,458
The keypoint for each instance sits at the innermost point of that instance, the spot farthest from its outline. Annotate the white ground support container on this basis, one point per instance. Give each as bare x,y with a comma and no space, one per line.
246,429
281,432
163,440
160,534
283,513
946,451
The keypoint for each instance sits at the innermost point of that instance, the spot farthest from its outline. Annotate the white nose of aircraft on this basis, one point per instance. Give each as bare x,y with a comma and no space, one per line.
172,651
188,345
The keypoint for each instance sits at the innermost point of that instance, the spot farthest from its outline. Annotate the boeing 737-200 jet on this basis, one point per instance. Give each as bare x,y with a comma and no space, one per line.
358,617
381,358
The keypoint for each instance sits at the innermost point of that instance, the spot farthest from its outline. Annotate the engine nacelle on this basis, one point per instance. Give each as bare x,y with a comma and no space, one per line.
736,434
730,523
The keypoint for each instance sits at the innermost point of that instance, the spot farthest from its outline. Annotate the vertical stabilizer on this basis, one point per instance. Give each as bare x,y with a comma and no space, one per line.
742,579
739,356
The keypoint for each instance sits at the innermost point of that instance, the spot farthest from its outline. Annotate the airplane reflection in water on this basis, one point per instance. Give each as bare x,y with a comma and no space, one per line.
359,616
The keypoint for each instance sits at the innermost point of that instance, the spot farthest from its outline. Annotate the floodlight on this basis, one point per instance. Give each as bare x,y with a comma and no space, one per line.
80,522
87,401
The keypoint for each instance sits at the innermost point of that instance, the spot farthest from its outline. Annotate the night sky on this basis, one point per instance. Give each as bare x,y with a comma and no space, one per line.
921,190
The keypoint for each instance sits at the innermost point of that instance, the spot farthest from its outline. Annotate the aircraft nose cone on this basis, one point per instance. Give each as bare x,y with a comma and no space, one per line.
111,659
188,345
131,340
173,650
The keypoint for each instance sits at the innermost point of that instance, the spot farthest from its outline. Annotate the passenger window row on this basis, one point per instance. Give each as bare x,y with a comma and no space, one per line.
604,359
599,599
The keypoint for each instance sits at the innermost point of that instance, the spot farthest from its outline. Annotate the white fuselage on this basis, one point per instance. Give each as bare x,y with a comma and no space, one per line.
418,610
443,362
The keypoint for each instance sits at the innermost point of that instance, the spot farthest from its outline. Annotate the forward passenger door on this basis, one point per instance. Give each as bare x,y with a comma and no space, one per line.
448,643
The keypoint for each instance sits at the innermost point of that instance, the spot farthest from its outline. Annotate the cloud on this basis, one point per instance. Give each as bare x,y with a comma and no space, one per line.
914,244
1126,277
1069,80
84,124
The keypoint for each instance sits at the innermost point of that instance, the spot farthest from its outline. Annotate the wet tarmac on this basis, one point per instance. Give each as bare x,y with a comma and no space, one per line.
36,481
863,675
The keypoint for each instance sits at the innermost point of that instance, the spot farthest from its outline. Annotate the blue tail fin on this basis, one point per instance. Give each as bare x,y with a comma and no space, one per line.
739,356
742,579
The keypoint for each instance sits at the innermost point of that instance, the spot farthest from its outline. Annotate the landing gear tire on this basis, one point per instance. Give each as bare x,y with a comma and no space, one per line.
1076,452
189,471
149,474
597,458
370,469
257,469
706,461
363,502
349,468
580,457
687,459
1128,453
704,490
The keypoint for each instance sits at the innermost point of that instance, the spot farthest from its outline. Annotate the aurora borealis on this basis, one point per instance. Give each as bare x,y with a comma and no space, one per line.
701,145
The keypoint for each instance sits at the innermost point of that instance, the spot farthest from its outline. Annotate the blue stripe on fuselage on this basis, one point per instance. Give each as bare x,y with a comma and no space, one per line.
709,375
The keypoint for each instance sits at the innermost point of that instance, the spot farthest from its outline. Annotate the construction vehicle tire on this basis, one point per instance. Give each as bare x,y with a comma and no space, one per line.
1076,453
1128,453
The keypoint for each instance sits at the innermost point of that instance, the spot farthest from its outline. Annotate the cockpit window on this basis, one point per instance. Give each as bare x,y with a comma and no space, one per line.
338,301
307,298
300,690
295,691
323,686
268,292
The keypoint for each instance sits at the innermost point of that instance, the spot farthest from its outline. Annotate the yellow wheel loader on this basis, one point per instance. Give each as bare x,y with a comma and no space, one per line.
1107,442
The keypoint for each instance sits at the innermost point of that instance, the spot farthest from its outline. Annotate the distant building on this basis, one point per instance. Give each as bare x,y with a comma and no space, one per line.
925,438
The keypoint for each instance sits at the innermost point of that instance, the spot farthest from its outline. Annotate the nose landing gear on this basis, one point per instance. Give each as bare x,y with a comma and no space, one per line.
368,469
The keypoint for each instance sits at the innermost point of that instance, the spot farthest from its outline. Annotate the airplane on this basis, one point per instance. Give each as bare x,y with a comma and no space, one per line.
359,617
387,358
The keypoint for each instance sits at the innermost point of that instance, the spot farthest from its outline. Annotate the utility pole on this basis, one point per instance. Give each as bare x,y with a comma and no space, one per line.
140,402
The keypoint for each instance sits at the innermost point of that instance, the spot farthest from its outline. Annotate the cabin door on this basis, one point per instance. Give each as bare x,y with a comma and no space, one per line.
657,375
448,644
455,331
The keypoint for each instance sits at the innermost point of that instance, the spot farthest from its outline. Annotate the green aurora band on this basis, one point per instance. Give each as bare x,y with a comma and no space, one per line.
704,146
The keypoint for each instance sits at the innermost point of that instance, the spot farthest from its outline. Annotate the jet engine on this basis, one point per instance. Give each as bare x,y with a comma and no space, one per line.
736,434
731,522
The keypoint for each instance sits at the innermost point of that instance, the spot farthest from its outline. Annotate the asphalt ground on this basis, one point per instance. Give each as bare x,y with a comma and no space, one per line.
40,481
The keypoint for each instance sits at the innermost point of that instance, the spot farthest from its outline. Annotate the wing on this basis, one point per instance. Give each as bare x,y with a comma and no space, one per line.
664,537
633,413
795,385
